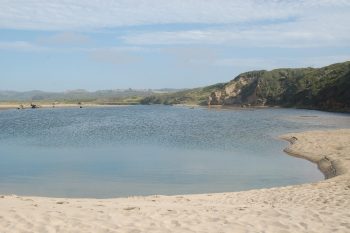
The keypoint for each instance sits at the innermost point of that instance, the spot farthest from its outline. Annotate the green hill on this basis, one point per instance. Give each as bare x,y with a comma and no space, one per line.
117,96
326,88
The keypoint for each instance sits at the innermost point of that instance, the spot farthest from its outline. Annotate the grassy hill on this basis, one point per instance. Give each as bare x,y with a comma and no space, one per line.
190,96
326,88
119,96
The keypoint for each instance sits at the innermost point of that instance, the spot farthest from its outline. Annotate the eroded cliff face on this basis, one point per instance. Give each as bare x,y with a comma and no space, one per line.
319,88
326,88
243,90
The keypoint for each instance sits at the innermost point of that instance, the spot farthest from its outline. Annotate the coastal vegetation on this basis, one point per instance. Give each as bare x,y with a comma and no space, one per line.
326,88
112,97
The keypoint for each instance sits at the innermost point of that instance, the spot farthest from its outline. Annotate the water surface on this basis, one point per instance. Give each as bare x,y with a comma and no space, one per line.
142,150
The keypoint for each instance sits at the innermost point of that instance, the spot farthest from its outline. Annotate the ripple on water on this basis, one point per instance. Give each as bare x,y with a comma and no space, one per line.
105,152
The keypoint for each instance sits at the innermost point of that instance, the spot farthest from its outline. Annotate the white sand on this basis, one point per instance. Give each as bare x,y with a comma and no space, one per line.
318,207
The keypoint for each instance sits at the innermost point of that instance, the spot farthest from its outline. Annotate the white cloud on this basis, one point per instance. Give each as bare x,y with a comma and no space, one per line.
280,62
22,46
94,14
111,55
192,56
134,49
314,30
118,56
277,23
65,38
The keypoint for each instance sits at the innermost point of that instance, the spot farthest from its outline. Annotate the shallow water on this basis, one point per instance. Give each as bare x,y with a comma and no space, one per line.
142,150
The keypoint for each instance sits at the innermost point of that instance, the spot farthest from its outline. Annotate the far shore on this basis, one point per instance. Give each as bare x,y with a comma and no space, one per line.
316,207
4,106
46,105
27,105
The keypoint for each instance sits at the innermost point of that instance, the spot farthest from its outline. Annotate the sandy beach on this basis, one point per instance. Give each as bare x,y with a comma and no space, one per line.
318,207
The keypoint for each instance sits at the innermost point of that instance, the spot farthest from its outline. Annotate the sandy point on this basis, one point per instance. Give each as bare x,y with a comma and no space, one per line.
317,207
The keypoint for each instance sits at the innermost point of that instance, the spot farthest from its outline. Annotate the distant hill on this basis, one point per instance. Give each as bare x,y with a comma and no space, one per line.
103,96
326,88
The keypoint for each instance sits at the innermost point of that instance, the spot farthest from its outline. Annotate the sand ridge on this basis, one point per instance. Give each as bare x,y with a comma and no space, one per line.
317,207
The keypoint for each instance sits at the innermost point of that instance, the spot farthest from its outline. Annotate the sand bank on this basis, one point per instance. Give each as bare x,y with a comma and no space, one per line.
318,207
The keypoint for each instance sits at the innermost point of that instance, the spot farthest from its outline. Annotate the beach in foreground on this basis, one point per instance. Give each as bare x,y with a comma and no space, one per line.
317,207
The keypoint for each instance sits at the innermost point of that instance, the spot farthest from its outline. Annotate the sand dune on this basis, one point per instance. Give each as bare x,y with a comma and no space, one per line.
317,207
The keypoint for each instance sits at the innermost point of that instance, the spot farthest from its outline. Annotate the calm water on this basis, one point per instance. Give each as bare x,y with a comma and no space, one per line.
141,150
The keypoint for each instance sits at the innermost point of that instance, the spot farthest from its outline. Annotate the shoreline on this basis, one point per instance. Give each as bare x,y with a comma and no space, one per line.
313,207
59,106
330,165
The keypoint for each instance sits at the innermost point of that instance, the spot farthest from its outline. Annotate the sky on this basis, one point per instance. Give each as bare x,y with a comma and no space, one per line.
57,45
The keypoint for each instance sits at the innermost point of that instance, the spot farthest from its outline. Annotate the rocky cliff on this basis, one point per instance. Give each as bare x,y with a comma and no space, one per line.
322,88
326,88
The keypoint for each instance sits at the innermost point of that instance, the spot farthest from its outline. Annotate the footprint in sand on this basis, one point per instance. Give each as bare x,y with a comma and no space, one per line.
132,208
62,202
175,223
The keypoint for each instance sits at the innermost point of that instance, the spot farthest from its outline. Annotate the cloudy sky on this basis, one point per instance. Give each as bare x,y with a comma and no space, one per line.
57,45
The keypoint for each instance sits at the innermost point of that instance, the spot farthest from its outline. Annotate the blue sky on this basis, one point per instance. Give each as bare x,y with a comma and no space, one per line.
63,45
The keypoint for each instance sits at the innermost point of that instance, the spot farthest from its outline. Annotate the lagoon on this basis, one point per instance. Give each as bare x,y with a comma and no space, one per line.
142,150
